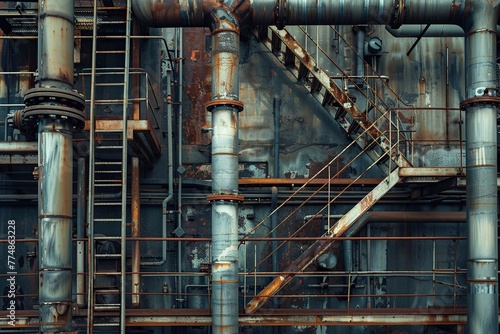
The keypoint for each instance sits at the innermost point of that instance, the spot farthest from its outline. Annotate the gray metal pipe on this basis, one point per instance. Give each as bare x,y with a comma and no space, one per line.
435,30
55,44
55,158
225,107
360,49
160,13
480,107
55,144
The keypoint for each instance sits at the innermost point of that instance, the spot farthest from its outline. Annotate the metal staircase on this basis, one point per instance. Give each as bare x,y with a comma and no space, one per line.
375,141
378,136
107,198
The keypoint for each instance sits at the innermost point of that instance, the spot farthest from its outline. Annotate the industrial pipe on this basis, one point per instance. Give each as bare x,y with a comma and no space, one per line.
435,30
54,108
177,13
480,107
225,106
135,218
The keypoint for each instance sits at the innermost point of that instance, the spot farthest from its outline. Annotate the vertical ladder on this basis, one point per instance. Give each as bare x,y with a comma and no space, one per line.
108,177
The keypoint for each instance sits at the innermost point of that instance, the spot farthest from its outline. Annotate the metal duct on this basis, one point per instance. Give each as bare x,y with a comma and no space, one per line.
54,108
480,107
225,106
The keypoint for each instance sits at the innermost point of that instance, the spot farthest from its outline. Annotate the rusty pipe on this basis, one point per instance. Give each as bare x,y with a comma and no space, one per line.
193,13
225,107
55,118
136,231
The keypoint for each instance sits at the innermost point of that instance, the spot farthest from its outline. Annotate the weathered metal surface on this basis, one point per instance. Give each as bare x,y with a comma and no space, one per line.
197,85
225,86
140,134
323,88
274,317
481,162
55,224
296,12
319,247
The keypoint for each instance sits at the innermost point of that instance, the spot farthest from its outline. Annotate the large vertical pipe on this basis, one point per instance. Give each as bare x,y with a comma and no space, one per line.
55,167
55,147
481,159
225,107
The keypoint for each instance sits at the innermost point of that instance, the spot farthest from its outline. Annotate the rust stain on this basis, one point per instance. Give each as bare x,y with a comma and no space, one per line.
197,87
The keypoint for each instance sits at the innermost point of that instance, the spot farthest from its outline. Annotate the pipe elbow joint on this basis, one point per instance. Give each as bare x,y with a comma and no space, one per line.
222,18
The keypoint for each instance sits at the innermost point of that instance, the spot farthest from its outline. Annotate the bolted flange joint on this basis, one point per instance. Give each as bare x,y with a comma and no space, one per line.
225,103
489,96
50,102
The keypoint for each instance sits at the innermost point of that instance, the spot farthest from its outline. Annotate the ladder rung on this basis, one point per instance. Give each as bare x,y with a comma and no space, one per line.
107,185
102,307
109,291
119,131
109,324
107,219
107,8
108,204
107,238
108,84
109,147
111,52
106,273
108,163
108,256
108,180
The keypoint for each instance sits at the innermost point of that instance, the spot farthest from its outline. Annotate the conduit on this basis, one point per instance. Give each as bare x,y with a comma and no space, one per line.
55,109
477,17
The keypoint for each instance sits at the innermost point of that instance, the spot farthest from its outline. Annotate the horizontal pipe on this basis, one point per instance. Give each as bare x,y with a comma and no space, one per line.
183,13
436,30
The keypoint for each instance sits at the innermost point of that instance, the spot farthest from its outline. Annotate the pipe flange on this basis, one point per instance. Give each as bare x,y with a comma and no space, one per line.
490,96
33,114
225,197
18,119
225,103
70,98
281,14
398,14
